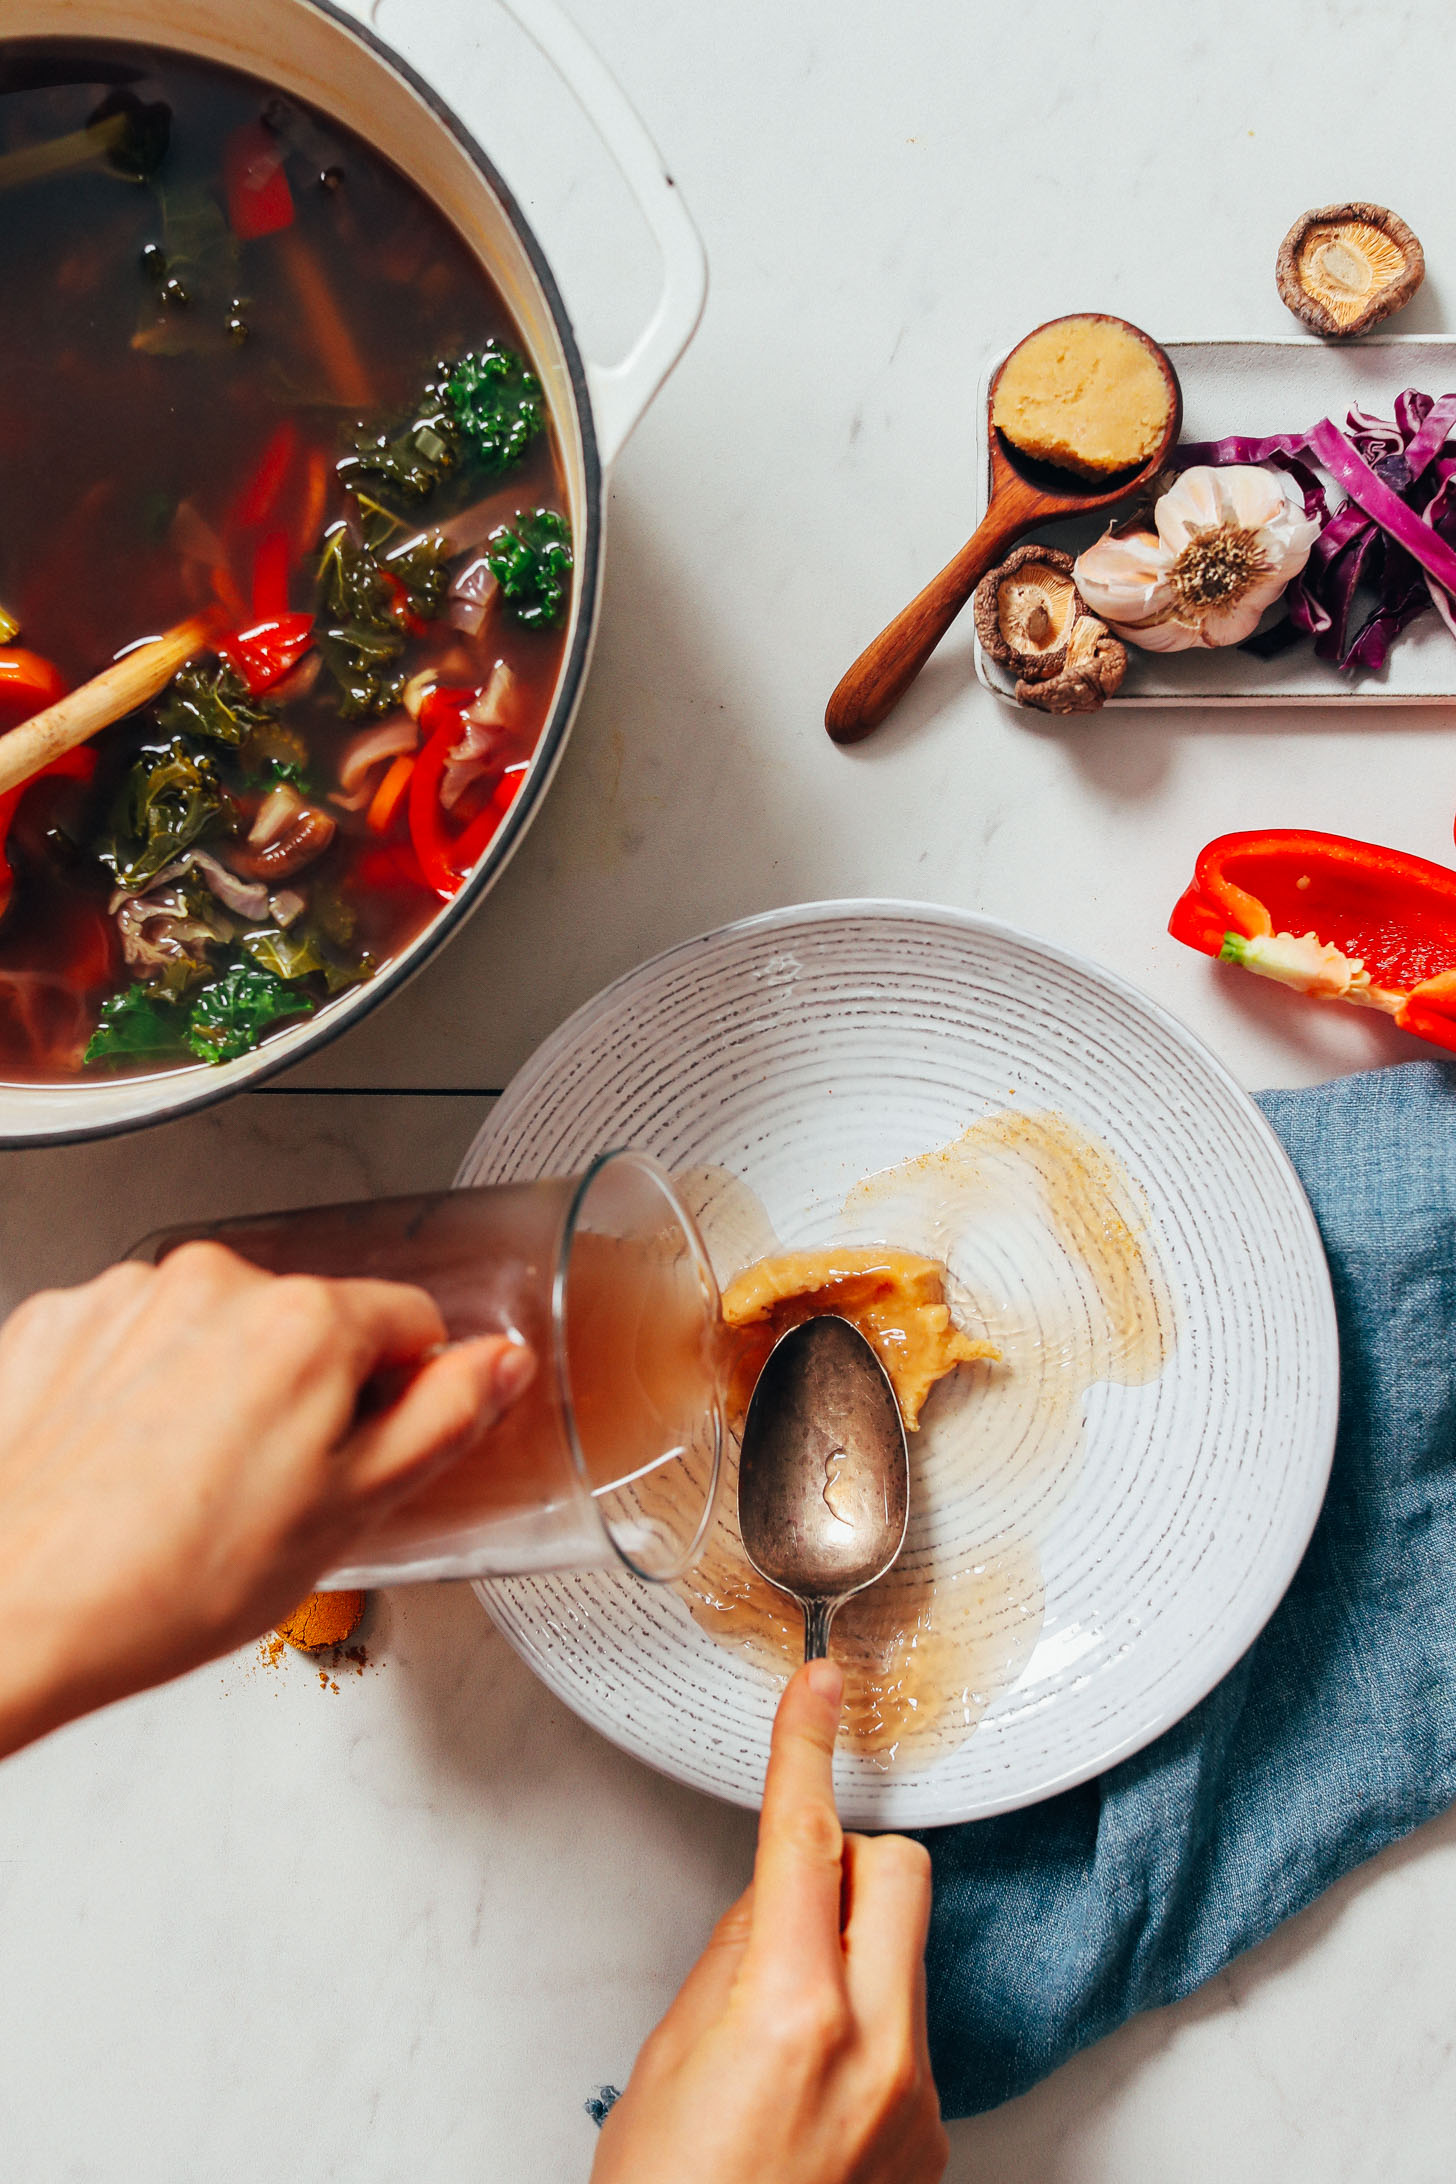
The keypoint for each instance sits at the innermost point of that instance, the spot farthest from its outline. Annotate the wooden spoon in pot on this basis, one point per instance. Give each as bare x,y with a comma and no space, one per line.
1024,493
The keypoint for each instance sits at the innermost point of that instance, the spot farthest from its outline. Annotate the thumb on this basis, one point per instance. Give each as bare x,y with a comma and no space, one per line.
703,1995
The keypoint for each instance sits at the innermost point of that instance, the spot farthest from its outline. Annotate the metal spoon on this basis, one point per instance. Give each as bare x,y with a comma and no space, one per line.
824,1474
1023,494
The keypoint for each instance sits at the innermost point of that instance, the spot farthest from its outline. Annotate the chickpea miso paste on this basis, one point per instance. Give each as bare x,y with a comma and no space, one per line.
251,376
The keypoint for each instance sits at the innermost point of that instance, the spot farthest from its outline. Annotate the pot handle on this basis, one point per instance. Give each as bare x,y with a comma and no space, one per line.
622,392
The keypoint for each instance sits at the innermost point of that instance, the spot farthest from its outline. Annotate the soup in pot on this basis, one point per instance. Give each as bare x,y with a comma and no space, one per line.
254,385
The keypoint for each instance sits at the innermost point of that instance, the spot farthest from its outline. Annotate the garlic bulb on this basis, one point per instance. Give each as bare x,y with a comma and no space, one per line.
1227,542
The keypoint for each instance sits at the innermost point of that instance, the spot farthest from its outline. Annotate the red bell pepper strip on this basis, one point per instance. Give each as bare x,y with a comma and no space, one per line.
469,845
259,201
404,613
388,865
440,720
1338,919
256,501
28,683
90,961
446,857
77,765
270,576
268,651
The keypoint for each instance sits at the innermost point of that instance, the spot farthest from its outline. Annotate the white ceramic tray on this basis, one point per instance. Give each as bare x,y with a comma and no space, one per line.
1263,387
797,1053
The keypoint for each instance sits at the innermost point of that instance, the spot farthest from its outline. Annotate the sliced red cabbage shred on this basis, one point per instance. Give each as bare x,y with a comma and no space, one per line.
1394,533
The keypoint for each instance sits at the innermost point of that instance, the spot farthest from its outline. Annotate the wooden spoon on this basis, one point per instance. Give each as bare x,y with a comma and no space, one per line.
133,680
1024,494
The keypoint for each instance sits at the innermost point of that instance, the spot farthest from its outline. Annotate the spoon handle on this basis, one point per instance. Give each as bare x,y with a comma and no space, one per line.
889,664
818,1615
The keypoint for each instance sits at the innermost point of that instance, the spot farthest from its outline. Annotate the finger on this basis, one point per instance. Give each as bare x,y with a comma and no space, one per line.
385,1323
888,1896
703,1995
451,1402
798,1871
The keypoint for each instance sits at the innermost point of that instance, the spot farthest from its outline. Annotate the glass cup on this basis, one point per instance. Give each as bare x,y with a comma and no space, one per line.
611,1457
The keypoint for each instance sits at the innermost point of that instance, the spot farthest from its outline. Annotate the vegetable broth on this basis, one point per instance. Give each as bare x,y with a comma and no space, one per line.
171,451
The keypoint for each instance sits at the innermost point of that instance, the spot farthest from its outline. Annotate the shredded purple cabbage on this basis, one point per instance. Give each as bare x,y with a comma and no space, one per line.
1394,534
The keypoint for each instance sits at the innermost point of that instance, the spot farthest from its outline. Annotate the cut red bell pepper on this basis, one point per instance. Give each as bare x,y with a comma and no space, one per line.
268,651
440,723
404,613
256,501
270,576
470,844
445,855
259,201
386,866
28,683
1338,919
77,765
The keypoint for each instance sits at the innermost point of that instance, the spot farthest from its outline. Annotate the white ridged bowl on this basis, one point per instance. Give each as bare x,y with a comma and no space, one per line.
808,1048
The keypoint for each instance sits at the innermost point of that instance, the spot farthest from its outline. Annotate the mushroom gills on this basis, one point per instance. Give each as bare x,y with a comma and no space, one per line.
1034,608
1344,266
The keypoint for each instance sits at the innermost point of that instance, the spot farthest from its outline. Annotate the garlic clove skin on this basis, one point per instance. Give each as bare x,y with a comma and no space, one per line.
1207,499
1238,497
1231,625
1126,579
1166,636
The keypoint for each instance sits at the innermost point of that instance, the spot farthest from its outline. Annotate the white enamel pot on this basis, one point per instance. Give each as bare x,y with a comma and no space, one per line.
319,52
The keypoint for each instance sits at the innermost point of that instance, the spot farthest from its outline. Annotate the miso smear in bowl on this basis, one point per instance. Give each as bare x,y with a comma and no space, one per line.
1048,1258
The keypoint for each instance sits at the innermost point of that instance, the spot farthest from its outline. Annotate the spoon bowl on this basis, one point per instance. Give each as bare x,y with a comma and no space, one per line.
1024,493
824,1473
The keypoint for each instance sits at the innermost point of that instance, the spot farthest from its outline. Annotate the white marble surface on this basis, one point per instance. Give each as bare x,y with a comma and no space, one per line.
252,1928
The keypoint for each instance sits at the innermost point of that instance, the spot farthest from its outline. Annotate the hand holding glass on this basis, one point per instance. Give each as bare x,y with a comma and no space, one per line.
611,1457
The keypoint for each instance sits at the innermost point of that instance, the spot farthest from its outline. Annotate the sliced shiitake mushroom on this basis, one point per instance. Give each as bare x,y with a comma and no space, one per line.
287,834
1092,672
1343,268
1025,610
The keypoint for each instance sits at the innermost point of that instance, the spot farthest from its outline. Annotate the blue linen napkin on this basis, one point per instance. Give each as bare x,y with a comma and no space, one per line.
1336,1733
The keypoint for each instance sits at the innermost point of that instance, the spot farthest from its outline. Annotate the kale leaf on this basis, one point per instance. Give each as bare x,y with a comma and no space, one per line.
413,458
233,1011
365,665
301,951
532,565
352,585
193,277
325,943
272,753
480,412
137,1022
360,632
495,401
335,915
169,800
202,702
425,574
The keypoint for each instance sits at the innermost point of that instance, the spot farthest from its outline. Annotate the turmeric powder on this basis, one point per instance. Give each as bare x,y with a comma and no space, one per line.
323,1619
